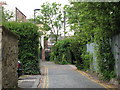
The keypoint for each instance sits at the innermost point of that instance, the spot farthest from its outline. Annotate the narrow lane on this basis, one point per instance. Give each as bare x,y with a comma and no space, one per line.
65,76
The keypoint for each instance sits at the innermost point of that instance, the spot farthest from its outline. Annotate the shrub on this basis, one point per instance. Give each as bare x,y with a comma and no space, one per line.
66,51
60,52
71,50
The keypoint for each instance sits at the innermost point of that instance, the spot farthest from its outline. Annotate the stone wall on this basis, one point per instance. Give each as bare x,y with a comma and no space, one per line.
8,58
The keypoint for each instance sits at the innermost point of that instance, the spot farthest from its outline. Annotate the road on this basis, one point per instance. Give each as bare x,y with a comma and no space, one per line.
64,76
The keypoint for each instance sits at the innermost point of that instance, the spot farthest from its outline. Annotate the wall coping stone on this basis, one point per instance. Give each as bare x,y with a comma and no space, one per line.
9,32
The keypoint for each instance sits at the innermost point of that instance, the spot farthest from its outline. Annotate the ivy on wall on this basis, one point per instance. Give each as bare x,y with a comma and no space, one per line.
98,23
92,22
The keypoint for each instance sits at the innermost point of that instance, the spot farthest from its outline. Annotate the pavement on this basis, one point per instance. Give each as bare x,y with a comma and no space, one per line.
29,81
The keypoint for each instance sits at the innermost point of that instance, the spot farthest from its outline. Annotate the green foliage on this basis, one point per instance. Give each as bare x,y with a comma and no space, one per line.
66,51
51,18
93,22
60,51
7,15
96,22
104,55
28,45
1,15
86,60
71,50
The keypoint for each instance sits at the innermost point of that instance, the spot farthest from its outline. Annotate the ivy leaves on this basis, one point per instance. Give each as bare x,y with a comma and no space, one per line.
96,22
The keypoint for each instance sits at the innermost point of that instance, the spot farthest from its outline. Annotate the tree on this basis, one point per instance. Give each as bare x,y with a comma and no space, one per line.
96,22
52,18
36,21
7,15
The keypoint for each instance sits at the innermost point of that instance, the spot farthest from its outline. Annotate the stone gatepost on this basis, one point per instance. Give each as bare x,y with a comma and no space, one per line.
8,58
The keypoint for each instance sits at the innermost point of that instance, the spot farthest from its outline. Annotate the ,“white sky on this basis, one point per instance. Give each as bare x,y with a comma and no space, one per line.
27,6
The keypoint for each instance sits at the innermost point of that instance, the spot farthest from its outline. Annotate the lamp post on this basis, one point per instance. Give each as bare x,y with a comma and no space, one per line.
34,14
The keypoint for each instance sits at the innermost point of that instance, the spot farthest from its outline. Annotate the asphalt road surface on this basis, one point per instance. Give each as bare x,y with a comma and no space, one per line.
64,76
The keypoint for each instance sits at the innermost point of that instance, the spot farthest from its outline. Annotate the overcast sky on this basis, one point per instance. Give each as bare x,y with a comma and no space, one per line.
27,6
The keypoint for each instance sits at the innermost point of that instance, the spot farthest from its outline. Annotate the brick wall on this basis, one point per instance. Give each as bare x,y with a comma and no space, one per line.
8,58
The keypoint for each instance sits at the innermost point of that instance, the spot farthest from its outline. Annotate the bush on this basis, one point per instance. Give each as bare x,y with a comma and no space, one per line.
60,52
28,45
71,50
66,51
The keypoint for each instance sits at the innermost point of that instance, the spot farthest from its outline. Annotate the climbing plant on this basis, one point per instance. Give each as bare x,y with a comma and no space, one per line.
98,23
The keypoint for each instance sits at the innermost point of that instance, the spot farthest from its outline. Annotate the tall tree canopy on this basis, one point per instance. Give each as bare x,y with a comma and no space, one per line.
52,18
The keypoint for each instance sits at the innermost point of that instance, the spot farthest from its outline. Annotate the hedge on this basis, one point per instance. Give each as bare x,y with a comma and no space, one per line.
28,45
66,51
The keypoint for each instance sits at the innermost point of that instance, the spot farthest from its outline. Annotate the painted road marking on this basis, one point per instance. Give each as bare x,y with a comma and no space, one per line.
45,82
43,86
96,81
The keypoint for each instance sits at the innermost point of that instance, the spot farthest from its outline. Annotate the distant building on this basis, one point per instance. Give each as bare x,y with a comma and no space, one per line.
20,17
